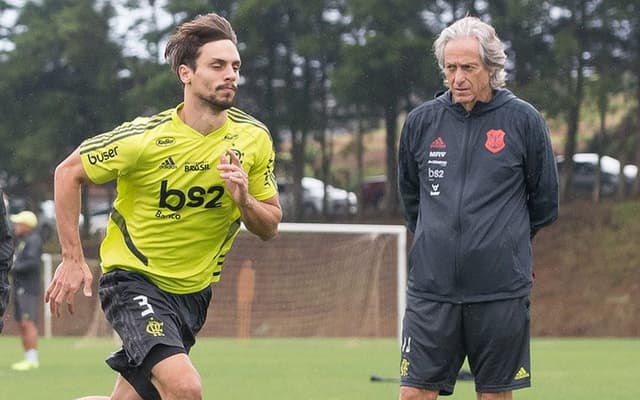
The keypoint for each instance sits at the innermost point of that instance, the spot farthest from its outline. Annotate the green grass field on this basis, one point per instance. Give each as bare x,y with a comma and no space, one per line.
320,369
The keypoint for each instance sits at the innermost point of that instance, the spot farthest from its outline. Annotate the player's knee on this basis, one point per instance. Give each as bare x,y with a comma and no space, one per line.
495,396
411,393
188,387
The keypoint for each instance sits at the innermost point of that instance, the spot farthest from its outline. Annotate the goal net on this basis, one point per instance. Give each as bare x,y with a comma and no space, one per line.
327,280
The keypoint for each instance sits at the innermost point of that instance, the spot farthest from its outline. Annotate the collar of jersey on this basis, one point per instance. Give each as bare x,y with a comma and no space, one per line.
177,120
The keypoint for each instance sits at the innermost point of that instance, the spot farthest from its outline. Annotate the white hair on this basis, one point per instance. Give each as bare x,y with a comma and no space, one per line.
491,48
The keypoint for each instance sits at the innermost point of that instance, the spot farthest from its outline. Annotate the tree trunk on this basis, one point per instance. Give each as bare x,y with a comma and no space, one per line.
360,157
391,126
597,184
635,187
573,117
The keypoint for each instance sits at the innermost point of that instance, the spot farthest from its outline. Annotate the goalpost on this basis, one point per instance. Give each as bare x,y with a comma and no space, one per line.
321,280
400,233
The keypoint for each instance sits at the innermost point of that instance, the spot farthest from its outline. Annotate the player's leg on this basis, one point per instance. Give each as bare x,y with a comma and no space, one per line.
157,330
176,378
26,310
94,398
122,391
411,393
498,337
28,334
432,349
495,396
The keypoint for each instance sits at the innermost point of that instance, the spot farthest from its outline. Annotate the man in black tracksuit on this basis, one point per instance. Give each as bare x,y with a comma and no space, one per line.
478,179
6,258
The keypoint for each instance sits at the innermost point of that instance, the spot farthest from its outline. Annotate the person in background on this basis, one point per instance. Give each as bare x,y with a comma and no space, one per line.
186,179
6,256
478,179
27,285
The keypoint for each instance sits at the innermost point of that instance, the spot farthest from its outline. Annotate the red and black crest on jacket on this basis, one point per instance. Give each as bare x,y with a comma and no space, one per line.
495,140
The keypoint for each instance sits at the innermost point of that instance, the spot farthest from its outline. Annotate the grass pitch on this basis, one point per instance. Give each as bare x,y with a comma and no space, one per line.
319,369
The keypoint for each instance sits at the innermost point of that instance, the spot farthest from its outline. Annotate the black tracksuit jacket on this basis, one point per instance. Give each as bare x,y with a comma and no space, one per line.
475,187
6,258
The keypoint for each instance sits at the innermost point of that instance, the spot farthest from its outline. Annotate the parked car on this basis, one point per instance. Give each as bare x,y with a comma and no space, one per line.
98,221
611,172
340,202
47,220
372,191
630,173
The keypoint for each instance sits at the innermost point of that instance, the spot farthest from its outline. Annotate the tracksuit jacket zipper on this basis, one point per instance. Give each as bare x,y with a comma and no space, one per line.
465,156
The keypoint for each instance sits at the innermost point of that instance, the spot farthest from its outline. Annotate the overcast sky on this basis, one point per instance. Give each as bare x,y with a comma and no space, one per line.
122,26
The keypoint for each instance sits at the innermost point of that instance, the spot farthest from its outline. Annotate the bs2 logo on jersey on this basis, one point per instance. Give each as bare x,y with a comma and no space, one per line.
196,196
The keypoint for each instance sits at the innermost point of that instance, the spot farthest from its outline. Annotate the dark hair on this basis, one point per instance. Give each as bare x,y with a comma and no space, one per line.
184,45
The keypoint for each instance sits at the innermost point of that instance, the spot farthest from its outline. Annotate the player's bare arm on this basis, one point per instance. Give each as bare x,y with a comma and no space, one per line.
73,271
260,217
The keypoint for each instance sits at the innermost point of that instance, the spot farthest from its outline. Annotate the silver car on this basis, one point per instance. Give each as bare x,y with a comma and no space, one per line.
340,202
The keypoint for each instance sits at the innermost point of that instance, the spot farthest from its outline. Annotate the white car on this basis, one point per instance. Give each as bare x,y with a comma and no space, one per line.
340,202
612,172
47,220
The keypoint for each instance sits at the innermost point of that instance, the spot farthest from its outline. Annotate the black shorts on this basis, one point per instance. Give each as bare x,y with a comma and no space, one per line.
152,324
494,336
25,305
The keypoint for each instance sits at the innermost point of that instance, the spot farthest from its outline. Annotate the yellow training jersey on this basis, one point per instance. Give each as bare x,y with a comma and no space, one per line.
173,220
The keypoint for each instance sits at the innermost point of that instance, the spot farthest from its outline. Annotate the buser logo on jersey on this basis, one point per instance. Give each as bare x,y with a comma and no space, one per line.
195,196
102,156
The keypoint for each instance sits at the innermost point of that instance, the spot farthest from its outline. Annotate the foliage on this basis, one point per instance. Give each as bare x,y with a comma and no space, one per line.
385,66
59,85
309,69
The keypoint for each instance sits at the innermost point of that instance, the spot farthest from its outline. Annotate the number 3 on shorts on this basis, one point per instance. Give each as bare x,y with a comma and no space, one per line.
143,301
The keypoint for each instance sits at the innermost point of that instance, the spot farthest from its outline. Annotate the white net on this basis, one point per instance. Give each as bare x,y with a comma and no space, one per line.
311,280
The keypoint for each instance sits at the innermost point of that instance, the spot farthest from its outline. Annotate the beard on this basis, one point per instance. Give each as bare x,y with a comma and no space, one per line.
219,103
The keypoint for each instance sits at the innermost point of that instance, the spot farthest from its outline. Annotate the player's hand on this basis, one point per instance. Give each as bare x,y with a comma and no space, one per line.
235,179
68,278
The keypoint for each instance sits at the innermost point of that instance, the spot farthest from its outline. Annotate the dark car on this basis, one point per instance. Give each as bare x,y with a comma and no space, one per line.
584,173
372,191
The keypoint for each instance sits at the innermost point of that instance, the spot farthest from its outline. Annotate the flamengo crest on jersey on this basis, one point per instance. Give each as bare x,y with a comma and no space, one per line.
173,220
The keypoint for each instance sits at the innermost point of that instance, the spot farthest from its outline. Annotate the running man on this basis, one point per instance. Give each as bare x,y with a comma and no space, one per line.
186,178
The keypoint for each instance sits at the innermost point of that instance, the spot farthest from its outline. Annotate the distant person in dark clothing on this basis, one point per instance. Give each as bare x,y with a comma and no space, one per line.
6,257
27,283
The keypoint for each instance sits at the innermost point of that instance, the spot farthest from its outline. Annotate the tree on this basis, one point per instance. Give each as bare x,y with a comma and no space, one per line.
289,50
573,35
386,64
60,85
626,25
602,85
523,26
